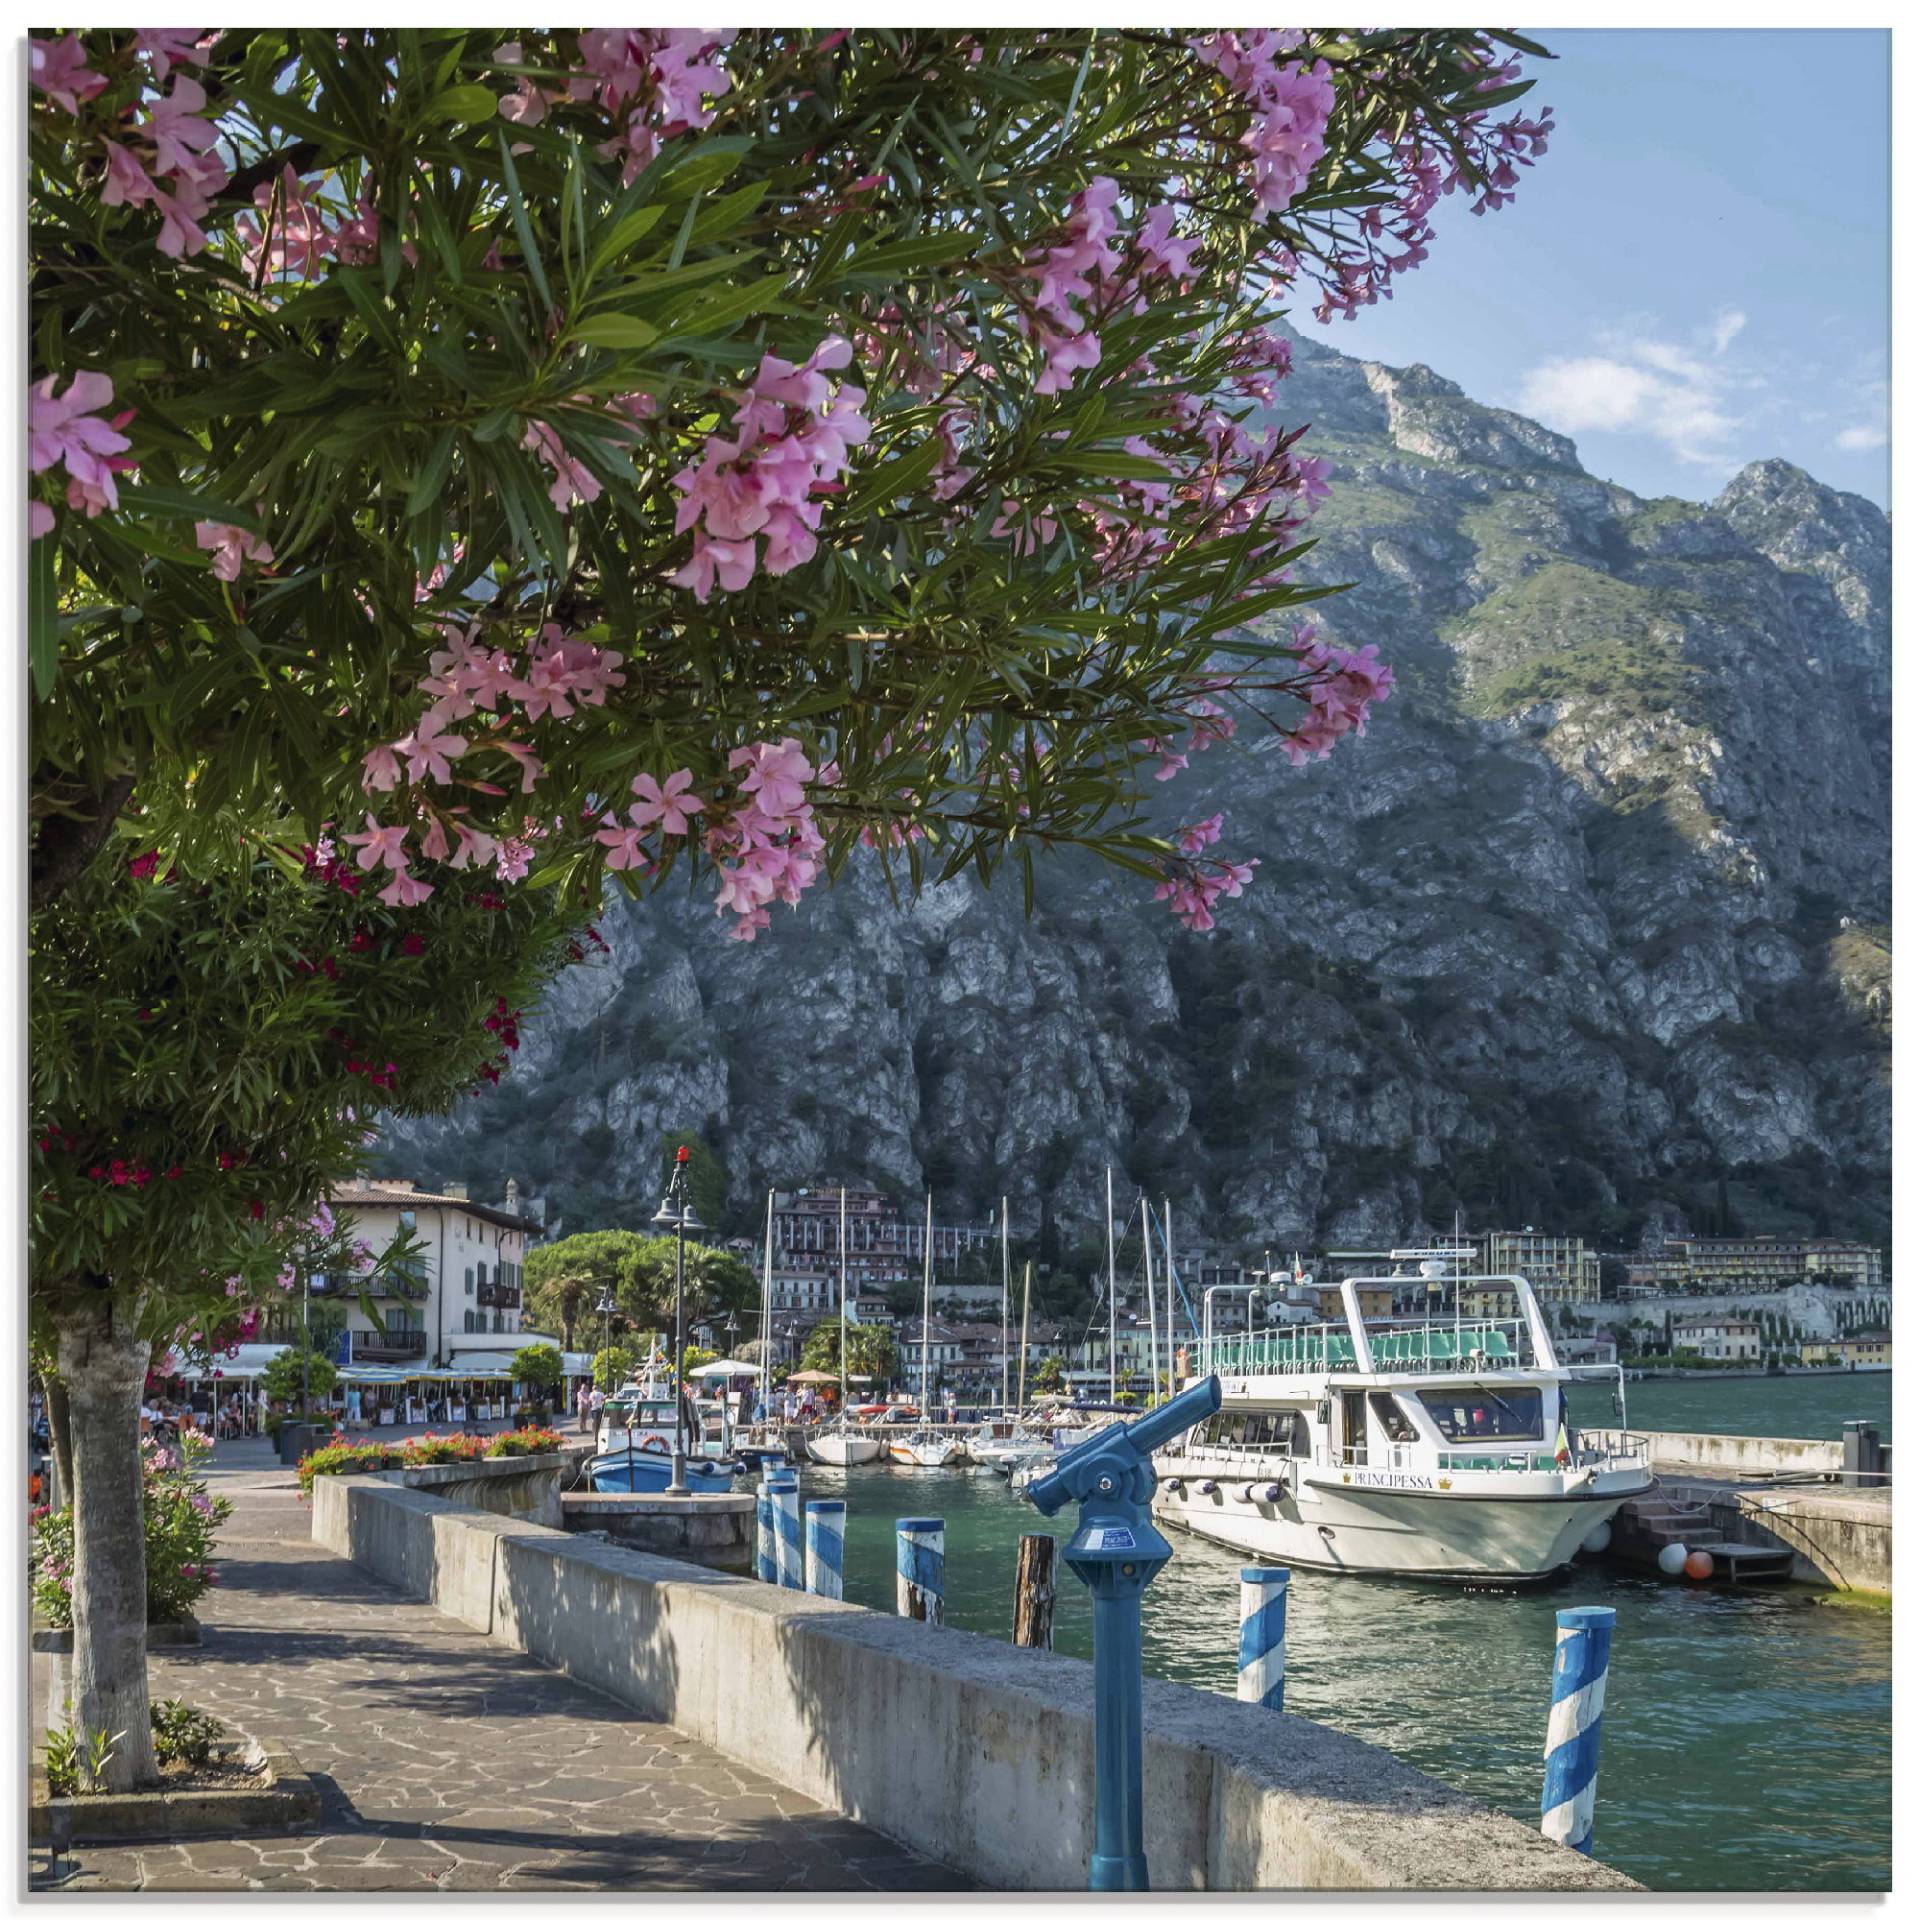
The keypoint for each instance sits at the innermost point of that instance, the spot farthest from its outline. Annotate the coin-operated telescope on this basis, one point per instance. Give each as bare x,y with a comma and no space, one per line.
1116,1551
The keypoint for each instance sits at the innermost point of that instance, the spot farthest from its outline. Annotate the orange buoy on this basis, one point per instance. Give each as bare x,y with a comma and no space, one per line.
1699,1565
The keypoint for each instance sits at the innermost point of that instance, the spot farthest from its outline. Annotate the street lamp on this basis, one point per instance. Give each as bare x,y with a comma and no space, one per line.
604,1308
676,1211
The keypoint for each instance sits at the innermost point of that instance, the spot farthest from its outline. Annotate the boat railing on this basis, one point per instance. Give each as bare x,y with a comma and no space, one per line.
1465,1346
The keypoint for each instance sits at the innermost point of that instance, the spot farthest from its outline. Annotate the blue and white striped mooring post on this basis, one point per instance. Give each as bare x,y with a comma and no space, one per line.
920,1569
766,1562
826,1545
788,1549
1573,1725
1263,1636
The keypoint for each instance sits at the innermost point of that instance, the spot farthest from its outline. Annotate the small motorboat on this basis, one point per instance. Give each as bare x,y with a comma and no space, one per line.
926,1447
843,1445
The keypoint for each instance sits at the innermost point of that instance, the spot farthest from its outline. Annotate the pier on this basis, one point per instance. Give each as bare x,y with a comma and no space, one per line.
1815,1511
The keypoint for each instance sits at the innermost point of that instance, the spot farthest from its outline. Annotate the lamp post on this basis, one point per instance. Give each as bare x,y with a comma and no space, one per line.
676,1211
604,1308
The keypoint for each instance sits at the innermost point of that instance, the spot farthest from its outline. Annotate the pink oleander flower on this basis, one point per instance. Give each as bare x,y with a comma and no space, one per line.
669,804
572,480
428,751
380,770
166,46
59,69
232,547
623,844
64,430
379,845
775,775
1202,834
39,519
727,564
403,890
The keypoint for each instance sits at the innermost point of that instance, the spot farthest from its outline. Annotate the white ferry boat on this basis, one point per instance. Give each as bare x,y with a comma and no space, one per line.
1406,1439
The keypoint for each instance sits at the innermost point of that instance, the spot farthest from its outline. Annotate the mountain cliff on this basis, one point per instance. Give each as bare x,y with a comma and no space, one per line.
1590,930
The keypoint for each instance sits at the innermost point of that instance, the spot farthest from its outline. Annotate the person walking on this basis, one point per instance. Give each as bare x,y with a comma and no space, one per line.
582,1405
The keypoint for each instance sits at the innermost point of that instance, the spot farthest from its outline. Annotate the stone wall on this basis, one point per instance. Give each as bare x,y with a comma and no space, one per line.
1728,1453
526,1486
976,1753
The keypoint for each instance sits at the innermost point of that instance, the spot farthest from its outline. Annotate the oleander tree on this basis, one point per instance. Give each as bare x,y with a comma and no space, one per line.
487,467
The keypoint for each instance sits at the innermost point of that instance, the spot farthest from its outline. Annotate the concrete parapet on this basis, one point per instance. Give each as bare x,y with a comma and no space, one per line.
976,1753
1727,1453
527,1485
710,1529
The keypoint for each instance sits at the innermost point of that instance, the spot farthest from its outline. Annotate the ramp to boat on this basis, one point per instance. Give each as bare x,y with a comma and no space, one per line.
1674,1514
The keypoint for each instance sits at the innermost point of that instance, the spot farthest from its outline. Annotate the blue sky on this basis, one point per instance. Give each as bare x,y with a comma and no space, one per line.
1696,273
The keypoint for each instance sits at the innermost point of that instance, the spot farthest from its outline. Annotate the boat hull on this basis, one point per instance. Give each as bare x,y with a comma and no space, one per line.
926,1453
1414,1533
647,1472
842,1449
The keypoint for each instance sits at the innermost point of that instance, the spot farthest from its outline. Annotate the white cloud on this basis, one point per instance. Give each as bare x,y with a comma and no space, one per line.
1726,327
1682,394
1861,439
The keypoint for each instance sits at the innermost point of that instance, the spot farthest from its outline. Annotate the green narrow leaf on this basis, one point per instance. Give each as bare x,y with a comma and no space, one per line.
43,615
624,238
615,330
471,105
522,226
432,476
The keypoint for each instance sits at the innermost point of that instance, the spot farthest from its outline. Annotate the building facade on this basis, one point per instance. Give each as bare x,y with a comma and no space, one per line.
1760,1263
886,1244
463,1290
1718,1339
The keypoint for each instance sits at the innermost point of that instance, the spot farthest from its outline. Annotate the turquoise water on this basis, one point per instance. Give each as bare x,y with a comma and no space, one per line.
1747,1740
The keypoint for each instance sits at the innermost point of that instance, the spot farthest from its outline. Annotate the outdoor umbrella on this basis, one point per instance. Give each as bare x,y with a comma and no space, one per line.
813,1377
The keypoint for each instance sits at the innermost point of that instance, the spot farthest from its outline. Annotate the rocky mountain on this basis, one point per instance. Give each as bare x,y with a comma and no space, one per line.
1592,927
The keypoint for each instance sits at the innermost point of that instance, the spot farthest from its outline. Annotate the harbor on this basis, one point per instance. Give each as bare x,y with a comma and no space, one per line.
1681,1806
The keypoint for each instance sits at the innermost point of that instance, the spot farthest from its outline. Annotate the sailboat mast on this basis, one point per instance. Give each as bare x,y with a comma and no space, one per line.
1153,1319
1113,1308
1167,1242
1006,1282
766,1315
1026,1303
926,1316
843,1303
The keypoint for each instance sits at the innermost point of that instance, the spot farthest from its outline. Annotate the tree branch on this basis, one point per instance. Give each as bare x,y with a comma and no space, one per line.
66,843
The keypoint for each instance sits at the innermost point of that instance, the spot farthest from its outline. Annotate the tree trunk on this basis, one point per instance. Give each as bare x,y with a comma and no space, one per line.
103,1361
60,1432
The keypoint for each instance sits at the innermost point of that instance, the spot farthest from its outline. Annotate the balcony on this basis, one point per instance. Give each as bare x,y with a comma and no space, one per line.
404,1283
384,1349
489,1295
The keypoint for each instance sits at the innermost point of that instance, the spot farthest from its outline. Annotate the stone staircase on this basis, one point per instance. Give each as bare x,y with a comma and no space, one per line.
1665,1517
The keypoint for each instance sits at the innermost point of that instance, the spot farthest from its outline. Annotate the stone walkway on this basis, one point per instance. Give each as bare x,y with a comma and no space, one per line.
450,1763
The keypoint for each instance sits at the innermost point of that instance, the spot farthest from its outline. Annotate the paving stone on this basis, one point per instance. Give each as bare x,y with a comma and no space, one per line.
448,1762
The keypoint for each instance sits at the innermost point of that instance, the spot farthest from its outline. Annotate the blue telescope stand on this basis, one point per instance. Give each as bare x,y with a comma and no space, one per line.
1116,1551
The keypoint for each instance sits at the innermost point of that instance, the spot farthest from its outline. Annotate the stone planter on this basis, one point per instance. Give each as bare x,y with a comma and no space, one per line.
290,1798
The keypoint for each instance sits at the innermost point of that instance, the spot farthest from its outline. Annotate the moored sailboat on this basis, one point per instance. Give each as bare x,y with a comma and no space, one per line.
841,1443
926,1445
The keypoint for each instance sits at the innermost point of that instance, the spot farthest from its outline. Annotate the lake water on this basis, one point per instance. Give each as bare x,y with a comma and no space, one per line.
1747,1741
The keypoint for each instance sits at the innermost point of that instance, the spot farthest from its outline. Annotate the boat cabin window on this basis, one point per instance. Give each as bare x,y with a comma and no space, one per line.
1282,1432
1391,1416
1509,1413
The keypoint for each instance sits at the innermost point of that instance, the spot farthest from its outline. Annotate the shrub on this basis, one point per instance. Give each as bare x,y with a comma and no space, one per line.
181,1732
181,1521
430,1450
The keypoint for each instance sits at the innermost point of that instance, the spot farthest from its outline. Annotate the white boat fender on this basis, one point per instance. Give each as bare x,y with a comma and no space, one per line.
1174,1486
1261,1490
1206,1486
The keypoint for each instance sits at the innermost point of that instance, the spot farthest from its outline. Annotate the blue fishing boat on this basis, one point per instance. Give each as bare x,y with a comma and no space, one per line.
635,1452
